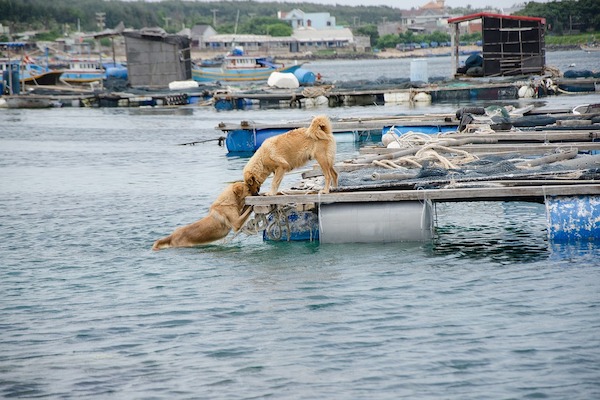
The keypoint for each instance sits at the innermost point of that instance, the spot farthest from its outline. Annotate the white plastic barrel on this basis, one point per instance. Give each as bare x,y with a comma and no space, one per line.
418,70
375,222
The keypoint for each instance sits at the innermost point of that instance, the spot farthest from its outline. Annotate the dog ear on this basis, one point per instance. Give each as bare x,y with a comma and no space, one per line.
238,189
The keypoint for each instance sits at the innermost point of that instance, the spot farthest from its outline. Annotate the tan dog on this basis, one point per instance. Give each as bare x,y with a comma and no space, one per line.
282,153
225,213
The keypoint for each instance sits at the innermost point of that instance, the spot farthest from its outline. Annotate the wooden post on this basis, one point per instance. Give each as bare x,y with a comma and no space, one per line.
455,45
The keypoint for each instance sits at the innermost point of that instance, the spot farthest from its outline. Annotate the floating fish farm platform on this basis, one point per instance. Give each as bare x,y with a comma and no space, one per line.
388,195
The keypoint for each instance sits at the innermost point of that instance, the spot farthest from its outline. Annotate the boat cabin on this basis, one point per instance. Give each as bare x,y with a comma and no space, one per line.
84,65
511,44
241,62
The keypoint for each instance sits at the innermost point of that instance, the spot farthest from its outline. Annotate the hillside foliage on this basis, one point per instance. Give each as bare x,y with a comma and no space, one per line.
61,17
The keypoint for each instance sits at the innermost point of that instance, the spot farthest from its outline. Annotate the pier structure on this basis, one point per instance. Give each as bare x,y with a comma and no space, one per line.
379,199
573,212
472,89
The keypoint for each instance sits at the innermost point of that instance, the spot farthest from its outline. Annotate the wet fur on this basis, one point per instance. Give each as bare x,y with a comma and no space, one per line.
226,213
290,150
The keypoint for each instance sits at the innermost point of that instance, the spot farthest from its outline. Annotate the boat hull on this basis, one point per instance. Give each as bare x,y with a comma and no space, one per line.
82,77
44,78
209,74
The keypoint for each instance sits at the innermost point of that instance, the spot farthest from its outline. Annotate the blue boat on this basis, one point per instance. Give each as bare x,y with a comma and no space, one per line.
22,72
83,71
247,137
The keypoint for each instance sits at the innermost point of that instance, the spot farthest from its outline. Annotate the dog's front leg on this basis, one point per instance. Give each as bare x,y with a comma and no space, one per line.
237,223
277,178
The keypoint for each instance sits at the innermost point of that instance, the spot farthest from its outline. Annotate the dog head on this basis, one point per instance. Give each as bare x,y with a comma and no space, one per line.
320,127
252,183
241,190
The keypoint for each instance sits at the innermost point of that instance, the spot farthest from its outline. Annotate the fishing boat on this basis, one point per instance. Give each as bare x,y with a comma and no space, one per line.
82,71
29,73
237,67
21,69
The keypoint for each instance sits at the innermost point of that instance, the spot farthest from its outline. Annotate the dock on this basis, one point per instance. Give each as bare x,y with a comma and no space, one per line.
361,94
535,193
457,90
375,95
389,195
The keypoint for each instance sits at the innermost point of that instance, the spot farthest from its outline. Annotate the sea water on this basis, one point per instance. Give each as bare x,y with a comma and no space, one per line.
488,309
437,67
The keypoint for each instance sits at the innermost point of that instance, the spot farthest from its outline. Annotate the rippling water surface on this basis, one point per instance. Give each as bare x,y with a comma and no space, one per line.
489,309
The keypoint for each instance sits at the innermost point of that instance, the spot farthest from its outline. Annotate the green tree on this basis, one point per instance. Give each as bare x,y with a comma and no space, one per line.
589,14
279,30
47,36
387,41
439,37
562,16
265,26
407,37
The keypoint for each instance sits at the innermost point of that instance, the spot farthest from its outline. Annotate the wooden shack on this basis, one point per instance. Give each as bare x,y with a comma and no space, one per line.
154,58
512,44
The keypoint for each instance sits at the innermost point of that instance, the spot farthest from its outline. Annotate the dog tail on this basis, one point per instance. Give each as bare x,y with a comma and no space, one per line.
320,128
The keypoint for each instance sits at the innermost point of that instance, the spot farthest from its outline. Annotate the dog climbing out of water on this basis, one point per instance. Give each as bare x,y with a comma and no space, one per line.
227,212
290,150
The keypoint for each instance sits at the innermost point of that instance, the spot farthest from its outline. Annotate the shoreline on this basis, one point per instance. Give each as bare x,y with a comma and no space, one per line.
384,54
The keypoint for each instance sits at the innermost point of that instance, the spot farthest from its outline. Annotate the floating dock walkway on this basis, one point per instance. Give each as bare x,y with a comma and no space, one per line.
380,199
347,94
573,212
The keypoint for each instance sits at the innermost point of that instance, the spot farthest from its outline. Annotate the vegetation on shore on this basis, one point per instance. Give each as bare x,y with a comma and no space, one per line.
573,40
566,19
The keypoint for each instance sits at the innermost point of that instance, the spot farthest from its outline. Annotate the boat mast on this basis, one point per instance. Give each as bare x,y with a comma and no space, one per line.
237,19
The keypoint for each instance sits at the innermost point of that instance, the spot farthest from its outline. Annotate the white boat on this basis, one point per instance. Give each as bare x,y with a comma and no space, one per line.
86,71
237,67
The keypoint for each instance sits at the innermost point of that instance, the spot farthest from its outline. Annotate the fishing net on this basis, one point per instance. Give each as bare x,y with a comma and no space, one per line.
480,172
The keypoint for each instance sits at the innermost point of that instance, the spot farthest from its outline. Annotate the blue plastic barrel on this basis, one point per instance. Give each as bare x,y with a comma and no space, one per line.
304,76
116,72
11,77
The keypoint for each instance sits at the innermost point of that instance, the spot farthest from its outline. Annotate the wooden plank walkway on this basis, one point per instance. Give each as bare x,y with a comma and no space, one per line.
521,193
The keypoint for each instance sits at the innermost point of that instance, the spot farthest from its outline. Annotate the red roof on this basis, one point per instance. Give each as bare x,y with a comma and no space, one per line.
471,17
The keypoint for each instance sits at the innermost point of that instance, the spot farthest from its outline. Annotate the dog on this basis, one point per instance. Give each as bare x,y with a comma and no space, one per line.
226,213
282,153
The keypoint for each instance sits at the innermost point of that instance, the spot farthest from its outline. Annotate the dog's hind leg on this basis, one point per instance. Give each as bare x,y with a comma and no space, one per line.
331,175
163,243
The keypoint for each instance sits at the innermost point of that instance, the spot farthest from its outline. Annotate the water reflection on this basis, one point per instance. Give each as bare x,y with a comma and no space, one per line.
495,231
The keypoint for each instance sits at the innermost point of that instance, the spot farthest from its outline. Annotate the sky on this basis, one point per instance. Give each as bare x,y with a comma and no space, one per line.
408,4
